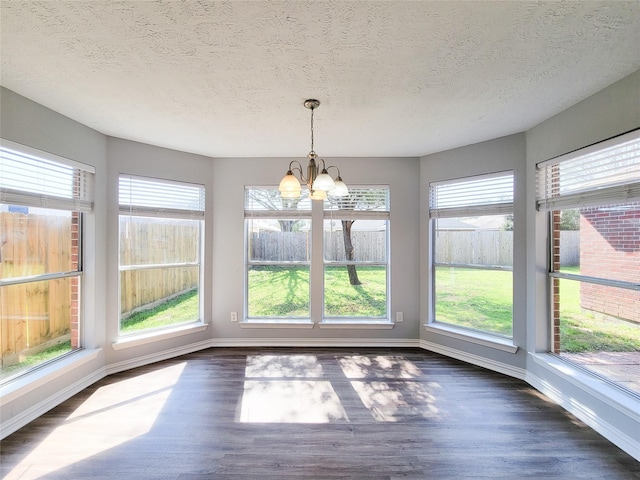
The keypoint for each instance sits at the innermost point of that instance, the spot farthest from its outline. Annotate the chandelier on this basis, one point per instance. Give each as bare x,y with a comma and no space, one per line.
319,184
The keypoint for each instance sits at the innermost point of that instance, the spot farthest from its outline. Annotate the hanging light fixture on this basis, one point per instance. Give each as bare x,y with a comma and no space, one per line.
319,184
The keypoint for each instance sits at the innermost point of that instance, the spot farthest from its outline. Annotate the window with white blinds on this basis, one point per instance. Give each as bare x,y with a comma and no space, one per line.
150,197
490,194
34,178
362,202
605,173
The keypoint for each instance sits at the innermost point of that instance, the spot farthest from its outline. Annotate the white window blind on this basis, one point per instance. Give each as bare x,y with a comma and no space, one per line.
150,197
362,202
266,202
604,173
490,194
34,178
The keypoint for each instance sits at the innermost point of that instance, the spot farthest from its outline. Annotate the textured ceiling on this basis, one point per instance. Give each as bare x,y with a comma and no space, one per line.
395,78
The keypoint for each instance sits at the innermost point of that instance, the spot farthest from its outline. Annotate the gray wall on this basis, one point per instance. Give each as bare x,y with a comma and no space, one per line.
612,111
609,112
28,123
500,154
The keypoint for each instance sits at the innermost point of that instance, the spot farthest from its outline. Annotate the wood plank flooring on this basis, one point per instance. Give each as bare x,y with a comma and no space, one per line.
304,413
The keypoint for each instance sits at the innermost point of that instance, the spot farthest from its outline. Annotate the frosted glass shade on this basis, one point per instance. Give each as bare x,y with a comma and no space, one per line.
323,182
340,189
289,186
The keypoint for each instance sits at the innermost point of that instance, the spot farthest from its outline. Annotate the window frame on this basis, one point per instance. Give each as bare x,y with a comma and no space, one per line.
314,213
171,200
460,201
278,210
58,184
610,186
378,195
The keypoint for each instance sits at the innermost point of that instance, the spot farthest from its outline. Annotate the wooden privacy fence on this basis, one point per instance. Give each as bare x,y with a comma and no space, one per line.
296,246
158,243
494,247
37,314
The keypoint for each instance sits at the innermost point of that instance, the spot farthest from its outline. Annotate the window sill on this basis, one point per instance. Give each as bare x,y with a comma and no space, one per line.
280,323
625,401
40,376
150,337
355,324
490,341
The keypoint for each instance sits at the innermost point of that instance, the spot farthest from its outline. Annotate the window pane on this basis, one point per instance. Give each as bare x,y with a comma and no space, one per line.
156,241
474,298
156,297
602,242
598,326
366,299
483,241
281,240
600,329
355,241
38,322
159,272
36,241
278,291
469,291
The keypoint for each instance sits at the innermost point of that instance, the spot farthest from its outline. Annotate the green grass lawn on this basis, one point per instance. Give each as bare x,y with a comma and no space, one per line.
477,299
481,299
183,308
284,292
588,331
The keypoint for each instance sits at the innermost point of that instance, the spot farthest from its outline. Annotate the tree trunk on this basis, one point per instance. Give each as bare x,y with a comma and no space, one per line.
349,251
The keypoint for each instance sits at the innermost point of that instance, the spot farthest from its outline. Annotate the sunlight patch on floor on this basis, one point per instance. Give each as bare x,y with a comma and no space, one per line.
283,366
290,401
381,366
140,401
391,401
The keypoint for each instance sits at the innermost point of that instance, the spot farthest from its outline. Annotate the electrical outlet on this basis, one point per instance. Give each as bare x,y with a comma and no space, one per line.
399,317
234,316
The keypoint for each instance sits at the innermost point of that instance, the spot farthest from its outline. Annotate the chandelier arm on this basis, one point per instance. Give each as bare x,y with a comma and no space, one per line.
332,166
293,168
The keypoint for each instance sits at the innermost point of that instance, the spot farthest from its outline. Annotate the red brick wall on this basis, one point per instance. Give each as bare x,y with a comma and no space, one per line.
610,248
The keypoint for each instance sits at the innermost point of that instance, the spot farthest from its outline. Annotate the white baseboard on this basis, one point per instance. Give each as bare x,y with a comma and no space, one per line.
30,414
320,342
157,357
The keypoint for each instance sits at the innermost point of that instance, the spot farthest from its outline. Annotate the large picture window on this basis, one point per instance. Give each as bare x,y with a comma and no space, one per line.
592,199
356,233
161,230
472,245
42,200
352,232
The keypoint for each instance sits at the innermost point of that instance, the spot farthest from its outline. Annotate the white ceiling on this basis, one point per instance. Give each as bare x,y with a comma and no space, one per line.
394,78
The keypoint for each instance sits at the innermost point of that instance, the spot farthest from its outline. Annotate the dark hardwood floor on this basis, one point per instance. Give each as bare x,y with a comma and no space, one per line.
304,413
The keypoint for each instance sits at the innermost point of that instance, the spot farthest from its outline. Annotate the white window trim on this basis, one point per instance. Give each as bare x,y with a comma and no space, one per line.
472,336
147,336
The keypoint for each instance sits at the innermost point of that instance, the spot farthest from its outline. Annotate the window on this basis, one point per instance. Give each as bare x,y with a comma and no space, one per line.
356,254
472,245
278,233
42,200
161,230
592,198
351,231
